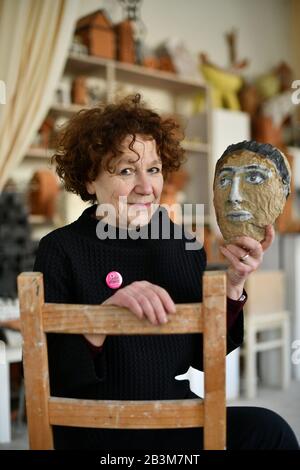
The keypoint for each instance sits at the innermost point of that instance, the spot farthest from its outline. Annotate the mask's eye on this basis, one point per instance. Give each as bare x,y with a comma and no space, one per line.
256,177
224,181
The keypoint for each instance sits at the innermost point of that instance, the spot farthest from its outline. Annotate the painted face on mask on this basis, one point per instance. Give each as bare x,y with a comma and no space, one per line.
249,194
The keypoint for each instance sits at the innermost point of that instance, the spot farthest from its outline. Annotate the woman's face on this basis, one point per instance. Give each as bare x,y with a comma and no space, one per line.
134,186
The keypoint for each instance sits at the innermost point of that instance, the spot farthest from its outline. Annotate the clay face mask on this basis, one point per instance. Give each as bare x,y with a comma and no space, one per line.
248,194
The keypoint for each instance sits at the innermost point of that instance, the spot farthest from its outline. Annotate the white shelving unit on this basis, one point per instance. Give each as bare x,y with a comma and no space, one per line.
114,71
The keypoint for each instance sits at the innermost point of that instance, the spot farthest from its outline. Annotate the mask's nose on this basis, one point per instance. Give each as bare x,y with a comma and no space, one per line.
234,195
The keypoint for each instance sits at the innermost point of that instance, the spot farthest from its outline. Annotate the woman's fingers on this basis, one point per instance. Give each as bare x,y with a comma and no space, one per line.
148,309
145,300
159,310
245,255
144,289
122,299
165,298
237,251
248,245
253,246
161,314
269,237
250,258
239,266
159,298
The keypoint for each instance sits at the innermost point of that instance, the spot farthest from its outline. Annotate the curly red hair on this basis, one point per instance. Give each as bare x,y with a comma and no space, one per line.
92,139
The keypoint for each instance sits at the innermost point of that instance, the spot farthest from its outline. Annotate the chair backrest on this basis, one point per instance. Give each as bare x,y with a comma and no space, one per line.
265,292
43,411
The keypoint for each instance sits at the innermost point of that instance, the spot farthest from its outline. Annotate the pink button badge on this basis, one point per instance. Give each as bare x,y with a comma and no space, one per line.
114,279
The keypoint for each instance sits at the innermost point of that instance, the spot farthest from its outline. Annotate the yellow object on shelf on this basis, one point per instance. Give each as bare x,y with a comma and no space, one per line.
268,85
225,86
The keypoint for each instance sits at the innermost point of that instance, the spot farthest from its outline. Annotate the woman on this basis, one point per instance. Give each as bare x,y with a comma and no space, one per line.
118,155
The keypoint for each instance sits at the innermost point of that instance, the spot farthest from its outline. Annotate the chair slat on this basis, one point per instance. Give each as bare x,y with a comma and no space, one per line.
126,414
112,320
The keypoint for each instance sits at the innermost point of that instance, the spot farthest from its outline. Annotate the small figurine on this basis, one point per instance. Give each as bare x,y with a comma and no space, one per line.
251,185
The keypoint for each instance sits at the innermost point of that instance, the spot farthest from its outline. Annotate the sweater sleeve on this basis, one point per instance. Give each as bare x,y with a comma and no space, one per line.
73,372
94,350
234,339
234,308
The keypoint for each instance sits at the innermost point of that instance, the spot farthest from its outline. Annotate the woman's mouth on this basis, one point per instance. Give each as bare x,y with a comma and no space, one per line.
140,204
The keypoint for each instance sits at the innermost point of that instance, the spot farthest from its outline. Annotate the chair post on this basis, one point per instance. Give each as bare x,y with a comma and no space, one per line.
214,352
35,356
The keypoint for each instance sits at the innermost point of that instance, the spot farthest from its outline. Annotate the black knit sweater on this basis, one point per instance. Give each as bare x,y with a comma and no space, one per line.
75,263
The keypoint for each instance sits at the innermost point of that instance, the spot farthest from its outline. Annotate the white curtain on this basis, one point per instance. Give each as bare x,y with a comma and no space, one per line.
35,36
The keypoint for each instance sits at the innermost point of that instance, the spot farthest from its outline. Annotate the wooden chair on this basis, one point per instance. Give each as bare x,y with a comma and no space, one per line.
44,411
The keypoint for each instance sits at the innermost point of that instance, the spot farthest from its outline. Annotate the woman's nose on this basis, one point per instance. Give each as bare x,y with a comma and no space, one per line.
143,183
234,194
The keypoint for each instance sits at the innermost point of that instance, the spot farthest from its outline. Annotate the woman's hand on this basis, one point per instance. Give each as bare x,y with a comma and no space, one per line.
244,255
145,300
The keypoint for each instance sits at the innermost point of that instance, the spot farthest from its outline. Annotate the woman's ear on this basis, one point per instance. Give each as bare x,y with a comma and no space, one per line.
90,187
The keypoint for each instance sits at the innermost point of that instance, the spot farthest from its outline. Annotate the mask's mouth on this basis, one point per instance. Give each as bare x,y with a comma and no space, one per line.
238,216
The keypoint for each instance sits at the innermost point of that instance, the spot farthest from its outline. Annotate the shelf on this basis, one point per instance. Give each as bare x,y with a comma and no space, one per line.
197,147
67,110
40,152
137,74
145,77
40,220
46,153
80,64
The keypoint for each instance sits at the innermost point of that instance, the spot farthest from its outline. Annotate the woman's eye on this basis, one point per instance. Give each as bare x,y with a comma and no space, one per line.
224,181
129,171
255,178
155,168
126,171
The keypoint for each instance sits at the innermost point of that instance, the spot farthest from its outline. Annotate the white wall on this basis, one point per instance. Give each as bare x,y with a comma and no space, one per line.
263,26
